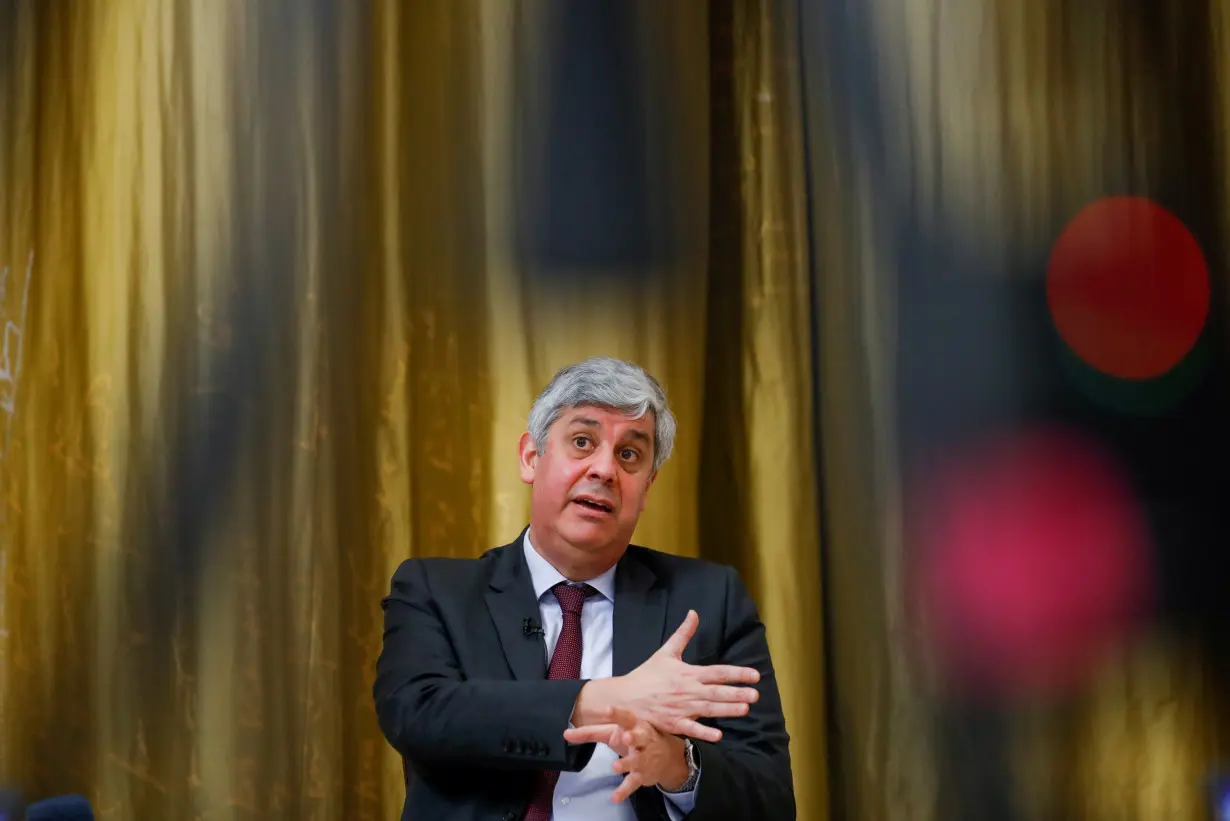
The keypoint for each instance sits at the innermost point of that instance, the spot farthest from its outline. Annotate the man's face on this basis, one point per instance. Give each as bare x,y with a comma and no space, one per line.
591,482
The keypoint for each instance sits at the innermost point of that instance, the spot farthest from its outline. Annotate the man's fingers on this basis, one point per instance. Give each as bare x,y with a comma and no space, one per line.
696,730
718,709
591,733
638,737
642,735
631,783
725,674
729,693
679,639
623,717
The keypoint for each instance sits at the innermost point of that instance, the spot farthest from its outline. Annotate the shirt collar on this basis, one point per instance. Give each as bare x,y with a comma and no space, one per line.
544,576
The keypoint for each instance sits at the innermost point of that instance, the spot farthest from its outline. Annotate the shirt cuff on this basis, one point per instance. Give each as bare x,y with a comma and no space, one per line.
679,804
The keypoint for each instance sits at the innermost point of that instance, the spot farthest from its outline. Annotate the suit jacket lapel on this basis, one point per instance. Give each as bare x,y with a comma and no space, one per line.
640,615
510,598
640,629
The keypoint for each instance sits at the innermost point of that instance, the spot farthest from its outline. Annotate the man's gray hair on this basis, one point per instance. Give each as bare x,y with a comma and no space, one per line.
604,382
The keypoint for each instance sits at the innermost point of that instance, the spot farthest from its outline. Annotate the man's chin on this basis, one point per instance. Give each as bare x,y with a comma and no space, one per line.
591,536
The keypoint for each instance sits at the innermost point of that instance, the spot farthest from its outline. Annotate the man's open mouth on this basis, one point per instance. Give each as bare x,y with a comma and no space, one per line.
594,504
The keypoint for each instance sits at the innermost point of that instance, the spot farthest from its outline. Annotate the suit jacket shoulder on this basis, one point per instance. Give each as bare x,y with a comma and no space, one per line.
453,574
669,567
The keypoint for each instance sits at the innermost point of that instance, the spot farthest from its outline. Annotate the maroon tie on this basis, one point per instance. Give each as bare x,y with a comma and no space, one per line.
565,663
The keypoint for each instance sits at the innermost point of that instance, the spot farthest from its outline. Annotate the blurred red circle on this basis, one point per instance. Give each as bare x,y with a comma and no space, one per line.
1128,287
1031,562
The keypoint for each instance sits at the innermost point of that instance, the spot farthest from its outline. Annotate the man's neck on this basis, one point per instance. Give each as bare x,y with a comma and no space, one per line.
555,552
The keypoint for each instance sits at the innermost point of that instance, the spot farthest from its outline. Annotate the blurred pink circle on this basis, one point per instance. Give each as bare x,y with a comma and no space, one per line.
1031,561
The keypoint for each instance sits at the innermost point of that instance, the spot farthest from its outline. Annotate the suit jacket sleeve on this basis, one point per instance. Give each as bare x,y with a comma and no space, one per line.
431,713
747,774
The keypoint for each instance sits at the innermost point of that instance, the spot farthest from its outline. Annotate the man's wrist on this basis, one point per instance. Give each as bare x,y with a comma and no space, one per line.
680,772
595,697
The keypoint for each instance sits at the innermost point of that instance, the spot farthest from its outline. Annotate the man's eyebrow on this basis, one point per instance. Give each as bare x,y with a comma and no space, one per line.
587,422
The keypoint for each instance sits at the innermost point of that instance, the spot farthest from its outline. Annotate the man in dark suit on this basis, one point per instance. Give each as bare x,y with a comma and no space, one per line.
543,681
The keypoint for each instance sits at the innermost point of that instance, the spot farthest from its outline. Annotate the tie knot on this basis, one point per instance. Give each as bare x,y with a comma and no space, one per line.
571,597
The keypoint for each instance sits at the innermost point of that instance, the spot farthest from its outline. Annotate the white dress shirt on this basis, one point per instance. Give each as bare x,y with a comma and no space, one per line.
586,795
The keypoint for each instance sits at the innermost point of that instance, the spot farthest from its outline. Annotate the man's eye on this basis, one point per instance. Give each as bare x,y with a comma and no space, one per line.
580,441
629,455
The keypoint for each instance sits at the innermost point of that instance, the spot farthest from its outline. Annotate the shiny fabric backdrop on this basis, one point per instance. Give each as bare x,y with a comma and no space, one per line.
277,340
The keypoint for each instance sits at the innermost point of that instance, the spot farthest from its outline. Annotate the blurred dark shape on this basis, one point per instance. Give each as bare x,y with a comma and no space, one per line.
1219,797
8,52
1032,564
11,806
977,349
955,362
61,808
1141,397
973,740
260,306
978,354
257,296
971,356
594,192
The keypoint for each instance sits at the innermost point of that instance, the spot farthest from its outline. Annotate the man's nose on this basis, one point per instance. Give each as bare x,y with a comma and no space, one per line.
602,465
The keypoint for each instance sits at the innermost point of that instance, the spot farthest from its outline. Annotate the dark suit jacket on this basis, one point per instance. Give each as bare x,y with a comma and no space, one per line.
461,690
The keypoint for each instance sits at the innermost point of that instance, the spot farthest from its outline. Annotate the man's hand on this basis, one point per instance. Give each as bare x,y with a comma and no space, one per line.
649,756
671,694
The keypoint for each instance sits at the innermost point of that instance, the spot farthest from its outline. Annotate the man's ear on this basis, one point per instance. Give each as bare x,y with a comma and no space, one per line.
528,452
645,495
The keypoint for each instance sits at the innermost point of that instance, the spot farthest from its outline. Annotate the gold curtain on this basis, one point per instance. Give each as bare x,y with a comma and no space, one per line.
276,339
1003,118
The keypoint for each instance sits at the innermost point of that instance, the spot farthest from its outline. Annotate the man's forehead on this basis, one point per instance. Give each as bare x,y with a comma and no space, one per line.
596,417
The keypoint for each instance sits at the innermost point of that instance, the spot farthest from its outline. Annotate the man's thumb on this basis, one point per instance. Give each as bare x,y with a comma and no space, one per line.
679,639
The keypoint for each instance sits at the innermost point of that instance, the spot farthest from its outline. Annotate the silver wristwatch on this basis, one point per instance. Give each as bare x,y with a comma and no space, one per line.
693,757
